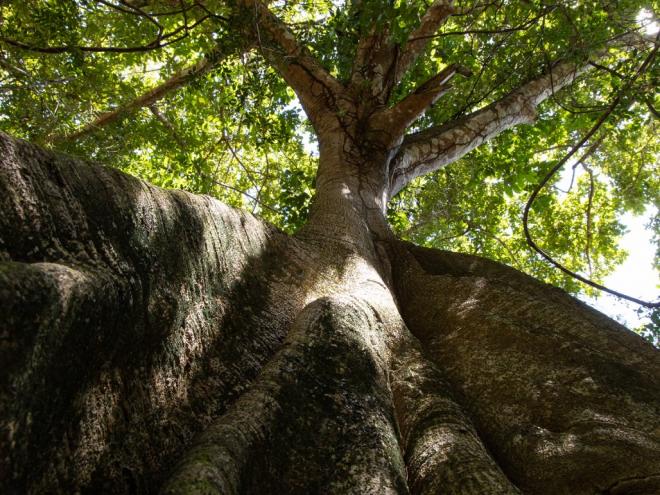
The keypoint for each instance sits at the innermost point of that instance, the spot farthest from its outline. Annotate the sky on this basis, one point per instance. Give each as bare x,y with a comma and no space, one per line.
635,277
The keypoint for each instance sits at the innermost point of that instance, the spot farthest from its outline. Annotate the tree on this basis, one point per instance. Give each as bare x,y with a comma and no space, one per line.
156,339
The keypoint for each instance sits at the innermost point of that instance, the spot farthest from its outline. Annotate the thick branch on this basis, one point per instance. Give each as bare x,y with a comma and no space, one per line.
380,63
315,87
397,119
433,148
435,16
375,58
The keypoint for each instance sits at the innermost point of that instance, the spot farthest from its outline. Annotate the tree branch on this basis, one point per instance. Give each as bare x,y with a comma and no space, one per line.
178,80
160,41
397,119
648,62
431,149
168,125
374,61
317,90
435,16
381,64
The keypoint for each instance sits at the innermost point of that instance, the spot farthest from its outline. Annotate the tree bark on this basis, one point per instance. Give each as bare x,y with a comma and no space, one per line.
132,316
160,341
566,398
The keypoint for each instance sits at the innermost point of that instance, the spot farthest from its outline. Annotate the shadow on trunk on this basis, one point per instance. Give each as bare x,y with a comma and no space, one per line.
565,398
134,316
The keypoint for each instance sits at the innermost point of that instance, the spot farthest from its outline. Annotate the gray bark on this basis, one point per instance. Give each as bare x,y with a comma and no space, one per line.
159,341
131,317
566,398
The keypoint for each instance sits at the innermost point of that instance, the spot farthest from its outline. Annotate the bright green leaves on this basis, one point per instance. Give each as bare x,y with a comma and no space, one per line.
650,331
236,132
475,205
50,94
233,132
295,195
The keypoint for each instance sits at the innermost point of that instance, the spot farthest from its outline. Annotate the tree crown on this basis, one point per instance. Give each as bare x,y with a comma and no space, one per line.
201,95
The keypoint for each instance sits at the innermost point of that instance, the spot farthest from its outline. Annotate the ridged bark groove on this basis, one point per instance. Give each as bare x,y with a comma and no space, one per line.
566,399
443,451
318,419
134,316
161,337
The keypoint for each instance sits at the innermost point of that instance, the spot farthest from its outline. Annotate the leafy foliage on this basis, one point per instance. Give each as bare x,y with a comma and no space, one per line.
237,133
651,331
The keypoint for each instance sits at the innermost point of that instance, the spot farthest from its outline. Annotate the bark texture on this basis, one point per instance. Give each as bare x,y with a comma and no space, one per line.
156,340
131,317
566,398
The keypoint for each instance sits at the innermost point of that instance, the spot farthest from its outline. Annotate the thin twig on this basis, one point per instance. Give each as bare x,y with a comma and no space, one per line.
610,109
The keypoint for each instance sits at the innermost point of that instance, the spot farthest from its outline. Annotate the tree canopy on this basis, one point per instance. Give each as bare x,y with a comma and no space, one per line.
180,93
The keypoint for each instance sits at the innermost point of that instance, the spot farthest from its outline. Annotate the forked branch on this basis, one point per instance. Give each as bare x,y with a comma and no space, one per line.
435,16
381,63
433,148
373,65
316,88
397,119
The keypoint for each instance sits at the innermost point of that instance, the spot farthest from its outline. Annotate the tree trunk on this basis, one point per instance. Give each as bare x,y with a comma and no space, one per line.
159,341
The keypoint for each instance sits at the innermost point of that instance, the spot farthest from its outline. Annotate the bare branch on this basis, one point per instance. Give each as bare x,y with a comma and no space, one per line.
652,109
435,16
588,213
375,57
397,119
178,80
168,125
15,71
317,90
433,148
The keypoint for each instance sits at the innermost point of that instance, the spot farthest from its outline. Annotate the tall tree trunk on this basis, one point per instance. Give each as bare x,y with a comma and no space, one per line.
157,340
